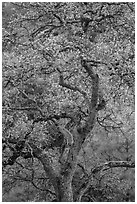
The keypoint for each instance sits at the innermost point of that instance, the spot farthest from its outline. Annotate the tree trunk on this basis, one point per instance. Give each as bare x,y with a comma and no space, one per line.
65,193
62,179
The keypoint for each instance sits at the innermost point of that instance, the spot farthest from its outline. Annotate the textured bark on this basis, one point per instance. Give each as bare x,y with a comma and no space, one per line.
63,186
65,193
79,134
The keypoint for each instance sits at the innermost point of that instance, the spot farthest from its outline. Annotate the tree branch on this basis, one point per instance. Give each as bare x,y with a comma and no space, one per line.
33,100
92,104
112,164
73,88
68,86
51,117
103,167
47,165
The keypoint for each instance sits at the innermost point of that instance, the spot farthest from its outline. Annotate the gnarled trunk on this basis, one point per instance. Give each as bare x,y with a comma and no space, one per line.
62,179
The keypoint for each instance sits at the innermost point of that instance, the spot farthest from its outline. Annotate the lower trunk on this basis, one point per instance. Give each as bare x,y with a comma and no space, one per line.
65,193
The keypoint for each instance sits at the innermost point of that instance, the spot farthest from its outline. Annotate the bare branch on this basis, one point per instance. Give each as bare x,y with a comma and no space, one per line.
83,169
46,190
51,117
129,5
58,17
89,68
113,164
68,86
106,126
20,109
103,167
33,100
71,48
67,134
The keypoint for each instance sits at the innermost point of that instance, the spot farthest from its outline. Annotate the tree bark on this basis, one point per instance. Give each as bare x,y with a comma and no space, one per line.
65,192
68,169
